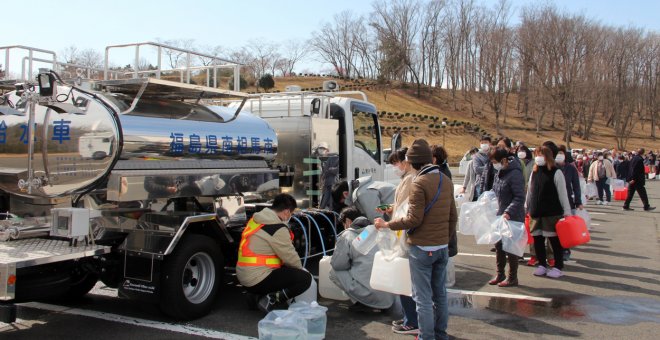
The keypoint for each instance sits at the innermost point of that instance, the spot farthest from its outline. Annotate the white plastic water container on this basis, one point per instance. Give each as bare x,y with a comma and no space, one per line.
391,276
367,239
282,325
327,288
315,316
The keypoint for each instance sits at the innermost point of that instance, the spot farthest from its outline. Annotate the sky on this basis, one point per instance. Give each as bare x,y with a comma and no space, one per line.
56,24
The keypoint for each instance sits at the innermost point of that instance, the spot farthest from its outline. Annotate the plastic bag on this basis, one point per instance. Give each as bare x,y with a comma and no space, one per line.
617,184
592,190
514,237
402,244
387,242
488,233
465,223
451,273
585,216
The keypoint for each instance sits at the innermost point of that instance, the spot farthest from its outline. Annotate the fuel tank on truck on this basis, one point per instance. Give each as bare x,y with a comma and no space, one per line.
74,150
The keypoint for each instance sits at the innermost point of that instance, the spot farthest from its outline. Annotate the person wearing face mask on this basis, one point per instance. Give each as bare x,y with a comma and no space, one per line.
479,162
351,270
565,163
599,171
407,325
525,155
547,202
509,187
268,264
470,178
622,168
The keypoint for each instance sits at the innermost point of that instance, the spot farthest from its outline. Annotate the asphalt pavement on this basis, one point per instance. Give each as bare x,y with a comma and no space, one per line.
611,290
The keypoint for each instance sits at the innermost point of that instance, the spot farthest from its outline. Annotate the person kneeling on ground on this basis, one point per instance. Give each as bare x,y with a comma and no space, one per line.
268,264
351,270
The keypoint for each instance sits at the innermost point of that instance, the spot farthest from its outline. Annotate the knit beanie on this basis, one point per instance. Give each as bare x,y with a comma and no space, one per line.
419,152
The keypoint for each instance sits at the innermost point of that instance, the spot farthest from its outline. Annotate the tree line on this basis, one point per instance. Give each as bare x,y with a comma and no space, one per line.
564,67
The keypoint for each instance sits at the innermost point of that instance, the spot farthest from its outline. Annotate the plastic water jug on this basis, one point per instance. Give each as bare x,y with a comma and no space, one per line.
282,325
620,195
391,276
327,288
315,316
367,240
530,238
572,231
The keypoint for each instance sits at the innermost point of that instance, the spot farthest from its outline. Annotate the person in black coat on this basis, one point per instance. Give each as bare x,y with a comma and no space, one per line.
636,180
622,168
509,187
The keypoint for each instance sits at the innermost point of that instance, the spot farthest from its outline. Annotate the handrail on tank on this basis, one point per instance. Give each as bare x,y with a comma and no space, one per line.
55,64
31,58
188,53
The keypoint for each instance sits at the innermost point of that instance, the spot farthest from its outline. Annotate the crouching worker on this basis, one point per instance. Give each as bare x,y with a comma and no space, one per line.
351,270
268,265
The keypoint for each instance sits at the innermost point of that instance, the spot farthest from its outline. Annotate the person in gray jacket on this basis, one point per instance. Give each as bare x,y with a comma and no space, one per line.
351,271
509,187
480,165
365,194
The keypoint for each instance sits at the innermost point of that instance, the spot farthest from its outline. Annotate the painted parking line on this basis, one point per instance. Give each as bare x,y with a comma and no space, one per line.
501,295
178,328
596,213
478,255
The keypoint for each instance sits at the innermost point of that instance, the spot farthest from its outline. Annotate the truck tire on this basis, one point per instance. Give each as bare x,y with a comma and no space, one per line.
81,284
191,278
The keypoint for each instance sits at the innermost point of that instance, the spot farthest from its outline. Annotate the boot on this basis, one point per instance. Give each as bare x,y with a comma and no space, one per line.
512,279
500,261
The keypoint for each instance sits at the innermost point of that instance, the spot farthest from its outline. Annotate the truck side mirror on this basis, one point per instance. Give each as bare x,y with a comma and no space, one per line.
316,106
396,142
46,85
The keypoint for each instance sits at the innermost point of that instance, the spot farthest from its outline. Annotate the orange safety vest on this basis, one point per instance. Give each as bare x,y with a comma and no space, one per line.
247,258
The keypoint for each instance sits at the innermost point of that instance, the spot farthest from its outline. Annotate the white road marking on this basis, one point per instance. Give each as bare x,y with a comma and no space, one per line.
479,255
503,295
596,213
595,224
185,329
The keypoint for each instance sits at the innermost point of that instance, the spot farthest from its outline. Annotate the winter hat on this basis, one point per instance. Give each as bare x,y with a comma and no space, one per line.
419,152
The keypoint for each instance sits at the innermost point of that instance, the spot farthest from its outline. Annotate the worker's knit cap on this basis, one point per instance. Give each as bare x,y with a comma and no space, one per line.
419,152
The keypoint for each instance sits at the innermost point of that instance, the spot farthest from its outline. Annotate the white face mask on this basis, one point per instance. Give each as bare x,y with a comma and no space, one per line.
522,154
498,166
398,171
539,160
484,147
584,158
560,158
600,158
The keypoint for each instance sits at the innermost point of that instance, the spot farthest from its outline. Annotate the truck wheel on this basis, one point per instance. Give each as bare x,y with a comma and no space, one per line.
191,278
81,284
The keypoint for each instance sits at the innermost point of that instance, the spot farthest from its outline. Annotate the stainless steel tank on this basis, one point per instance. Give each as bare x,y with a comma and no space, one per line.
78,148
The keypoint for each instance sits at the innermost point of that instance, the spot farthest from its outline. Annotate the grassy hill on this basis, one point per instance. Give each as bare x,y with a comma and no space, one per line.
421,118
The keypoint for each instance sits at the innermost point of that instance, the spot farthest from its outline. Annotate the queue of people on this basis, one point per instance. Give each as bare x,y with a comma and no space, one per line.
543,183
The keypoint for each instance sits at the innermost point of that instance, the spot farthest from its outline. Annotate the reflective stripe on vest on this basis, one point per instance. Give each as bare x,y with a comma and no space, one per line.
246,257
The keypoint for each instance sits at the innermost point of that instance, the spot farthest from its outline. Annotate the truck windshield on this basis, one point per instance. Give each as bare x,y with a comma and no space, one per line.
366,129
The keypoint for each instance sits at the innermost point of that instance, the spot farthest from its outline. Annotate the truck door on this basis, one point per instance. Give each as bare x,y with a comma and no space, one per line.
367,156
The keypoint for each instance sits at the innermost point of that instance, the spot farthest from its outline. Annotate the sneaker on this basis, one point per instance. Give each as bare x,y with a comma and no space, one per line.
540,271
532,261
628,209
554,273
397,322
606,203
599,202
649,208
551,263
401,329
